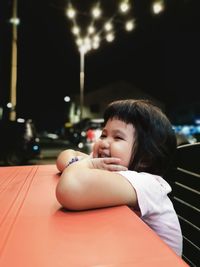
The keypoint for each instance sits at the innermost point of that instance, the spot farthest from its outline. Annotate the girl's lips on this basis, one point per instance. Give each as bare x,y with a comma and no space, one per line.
102,155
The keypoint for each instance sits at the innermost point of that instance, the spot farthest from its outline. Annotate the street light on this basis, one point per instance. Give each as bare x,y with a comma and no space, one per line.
158,6
13,90
82,79
92,36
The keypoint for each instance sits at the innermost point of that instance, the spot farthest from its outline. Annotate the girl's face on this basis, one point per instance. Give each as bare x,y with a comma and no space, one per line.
116,140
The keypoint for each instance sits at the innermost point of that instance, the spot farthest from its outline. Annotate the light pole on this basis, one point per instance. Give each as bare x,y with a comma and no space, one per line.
13,90
82,80
90,38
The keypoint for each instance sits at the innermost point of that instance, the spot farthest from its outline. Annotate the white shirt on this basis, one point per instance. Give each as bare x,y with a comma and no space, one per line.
156,209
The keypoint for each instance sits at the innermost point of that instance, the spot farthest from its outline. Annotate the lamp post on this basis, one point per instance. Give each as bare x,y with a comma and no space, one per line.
13,90
82,80
90,38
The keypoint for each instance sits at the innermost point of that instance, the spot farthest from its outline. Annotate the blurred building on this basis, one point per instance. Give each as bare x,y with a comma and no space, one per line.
96,101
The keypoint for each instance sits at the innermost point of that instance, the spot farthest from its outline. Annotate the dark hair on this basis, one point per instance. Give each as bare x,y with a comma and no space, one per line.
155,140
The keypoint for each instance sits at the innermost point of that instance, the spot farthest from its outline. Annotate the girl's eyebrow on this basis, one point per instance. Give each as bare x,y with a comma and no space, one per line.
115,132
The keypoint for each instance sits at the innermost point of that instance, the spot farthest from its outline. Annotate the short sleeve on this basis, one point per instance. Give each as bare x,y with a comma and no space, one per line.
151,190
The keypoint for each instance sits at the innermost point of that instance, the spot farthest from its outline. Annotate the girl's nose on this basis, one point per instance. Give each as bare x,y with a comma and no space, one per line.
105,143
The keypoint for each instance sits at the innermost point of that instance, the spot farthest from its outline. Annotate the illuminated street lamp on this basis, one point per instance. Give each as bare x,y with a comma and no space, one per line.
91,38
158,6
67,99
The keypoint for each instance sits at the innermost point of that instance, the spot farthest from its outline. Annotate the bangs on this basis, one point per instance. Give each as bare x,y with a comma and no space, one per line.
121,110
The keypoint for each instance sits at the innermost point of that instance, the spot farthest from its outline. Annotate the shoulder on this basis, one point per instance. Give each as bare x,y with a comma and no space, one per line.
150,189
144,180
152,192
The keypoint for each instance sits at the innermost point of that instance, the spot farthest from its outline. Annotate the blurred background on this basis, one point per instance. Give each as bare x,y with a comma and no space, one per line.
62,62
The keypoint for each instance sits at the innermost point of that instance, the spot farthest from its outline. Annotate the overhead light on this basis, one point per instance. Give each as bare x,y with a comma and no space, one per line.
15,21
79,41
67,99
108,26
95,45
91,29
96,38
71,13
124,6
9,105
110,37
158,7
130,25
20,120
75,30
96,12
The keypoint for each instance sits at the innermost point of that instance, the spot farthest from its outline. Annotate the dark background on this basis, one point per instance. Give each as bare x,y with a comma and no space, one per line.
161,57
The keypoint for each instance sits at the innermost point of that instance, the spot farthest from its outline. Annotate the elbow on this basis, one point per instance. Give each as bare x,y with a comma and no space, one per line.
68,194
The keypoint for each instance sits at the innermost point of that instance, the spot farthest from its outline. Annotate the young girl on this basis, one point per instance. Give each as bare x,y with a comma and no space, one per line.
126,168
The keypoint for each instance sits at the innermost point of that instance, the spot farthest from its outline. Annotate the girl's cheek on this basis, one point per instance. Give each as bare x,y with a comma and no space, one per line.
116,151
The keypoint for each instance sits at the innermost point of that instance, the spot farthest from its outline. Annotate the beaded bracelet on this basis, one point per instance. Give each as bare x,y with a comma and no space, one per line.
72,160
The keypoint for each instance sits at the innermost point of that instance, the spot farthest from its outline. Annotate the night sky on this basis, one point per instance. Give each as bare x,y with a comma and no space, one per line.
161,57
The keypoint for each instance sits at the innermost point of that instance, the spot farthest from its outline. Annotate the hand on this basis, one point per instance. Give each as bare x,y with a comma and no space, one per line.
95,149
109,164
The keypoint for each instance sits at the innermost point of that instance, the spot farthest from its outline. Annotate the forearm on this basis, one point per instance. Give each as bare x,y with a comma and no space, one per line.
82,186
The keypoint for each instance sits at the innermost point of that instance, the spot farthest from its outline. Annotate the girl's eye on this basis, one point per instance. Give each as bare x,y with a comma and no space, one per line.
102,136
118,138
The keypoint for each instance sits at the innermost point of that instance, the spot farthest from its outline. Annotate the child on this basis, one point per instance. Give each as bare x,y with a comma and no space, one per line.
126,168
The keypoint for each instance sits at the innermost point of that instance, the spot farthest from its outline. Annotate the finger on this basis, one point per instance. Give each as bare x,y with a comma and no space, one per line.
111,160
95,150
113,167
95,154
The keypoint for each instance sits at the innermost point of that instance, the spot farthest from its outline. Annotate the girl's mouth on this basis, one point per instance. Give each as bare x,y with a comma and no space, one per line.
103,155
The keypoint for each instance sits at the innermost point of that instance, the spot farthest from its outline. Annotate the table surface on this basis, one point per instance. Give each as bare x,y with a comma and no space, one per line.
35,231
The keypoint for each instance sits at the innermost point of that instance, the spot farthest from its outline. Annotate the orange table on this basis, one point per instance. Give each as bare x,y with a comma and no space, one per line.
36,232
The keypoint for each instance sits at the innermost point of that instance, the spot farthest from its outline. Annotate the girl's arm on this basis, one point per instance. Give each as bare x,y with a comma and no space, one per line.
65,156
93,183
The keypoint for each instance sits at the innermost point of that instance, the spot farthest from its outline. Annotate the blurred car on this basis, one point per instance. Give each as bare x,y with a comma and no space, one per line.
83,134
47,138
89,132
187,134
18,142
